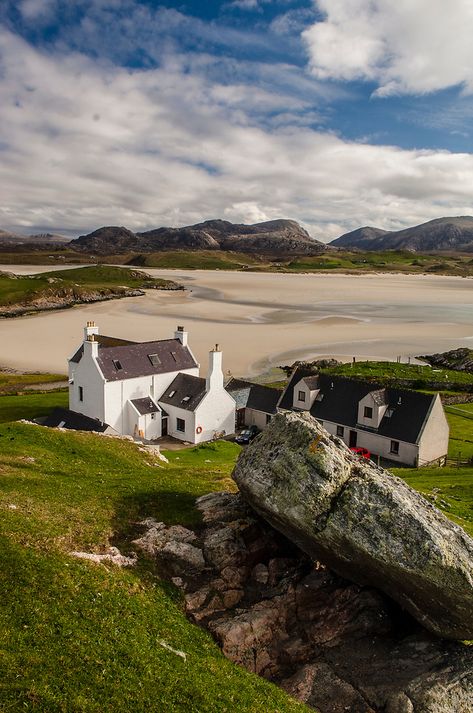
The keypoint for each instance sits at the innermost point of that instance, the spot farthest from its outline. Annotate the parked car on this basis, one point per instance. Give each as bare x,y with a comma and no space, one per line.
247,435
361,452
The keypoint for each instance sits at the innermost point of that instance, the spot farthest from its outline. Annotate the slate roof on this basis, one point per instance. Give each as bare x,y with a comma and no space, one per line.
145,406
312,382
187,392
73,420
134,359
287,397
254,396
339,397
103,341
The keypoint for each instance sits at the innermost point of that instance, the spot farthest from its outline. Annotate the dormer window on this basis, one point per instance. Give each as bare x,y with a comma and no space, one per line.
186,398
368,412
171,394
301,396
117,364
154,359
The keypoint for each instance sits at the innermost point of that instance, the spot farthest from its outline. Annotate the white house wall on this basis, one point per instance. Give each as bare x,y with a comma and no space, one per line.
86,374
189,434
118,393
434,438
377,445
215,413
306,404
255,418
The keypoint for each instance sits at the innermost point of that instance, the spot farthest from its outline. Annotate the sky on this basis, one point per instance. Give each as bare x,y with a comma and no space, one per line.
334,113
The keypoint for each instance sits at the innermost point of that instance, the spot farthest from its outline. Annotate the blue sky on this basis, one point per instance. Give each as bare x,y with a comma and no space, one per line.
335,113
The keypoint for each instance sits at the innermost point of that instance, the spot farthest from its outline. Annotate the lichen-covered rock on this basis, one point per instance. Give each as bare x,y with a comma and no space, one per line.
361,521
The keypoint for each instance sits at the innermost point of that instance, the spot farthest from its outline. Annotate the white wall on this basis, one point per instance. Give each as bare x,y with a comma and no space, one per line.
377,445
378,411
87,375
310,395
117,393
433,442
255,418
216,412
189,419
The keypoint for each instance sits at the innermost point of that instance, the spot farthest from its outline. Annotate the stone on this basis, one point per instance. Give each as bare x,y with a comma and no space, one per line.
360,521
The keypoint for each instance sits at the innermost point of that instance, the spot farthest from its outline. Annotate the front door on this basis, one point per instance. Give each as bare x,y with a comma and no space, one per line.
240,418
352,440
164,426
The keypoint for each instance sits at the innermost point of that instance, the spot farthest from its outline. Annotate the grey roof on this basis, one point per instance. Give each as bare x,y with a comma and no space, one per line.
185,391
312,382
145,406
254,396
403,420
104,342
134,359
75,421
299,373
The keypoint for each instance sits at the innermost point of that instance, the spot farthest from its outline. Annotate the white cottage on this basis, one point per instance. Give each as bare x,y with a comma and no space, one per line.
399,425
149,389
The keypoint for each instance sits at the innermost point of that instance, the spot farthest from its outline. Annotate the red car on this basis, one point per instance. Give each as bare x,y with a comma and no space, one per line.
361,452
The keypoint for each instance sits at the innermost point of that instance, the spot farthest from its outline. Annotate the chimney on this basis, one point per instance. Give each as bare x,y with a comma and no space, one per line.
215,373
90,328
182,335
91,346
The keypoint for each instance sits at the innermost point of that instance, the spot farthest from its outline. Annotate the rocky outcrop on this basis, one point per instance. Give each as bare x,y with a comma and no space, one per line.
335,645
361,521
457,359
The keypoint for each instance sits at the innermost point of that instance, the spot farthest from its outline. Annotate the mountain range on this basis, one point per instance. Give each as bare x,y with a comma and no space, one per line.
451,234
282,237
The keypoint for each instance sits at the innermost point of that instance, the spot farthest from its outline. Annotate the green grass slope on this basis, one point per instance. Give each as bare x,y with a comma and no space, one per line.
75,285
75,636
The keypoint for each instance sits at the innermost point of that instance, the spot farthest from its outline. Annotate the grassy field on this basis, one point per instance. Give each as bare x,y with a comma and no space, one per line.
75,284
81,637
338,261
450,489
12,383
460,420
418,376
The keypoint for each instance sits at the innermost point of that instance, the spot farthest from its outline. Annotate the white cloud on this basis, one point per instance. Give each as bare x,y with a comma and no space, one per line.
407,46
85,144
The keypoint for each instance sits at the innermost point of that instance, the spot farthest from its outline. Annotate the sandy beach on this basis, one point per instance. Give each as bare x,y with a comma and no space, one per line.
262,320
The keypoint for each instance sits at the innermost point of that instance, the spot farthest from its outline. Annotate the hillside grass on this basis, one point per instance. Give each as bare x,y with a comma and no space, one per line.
342,261
450,489
77,283
28,405
12,382
77,636
389,373
460,421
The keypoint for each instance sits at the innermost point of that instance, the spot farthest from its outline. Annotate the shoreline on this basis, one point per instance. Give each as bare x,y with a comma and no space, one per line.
262,320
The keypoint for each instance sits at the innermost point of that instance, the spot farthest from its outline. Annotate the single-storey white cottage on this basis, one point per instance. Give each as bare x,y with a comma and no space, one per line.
399,425
149,389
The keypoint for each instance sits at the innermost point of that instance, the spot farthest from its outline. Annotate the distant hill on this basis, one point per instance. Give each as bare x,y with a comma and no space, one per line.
439,234
281,237
6,237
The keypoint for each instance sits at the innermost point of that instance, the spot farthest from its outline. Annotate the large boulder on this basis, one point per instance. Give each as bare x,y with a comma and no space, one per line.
361,521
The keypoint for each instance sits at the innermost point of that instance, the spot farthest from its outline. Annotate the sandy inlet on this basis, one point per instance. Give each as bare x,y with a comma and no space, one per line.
262,320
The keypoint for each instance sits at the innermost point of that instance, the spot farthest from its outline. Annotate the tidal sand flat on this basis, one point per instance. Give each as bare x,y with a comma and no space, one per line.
262,320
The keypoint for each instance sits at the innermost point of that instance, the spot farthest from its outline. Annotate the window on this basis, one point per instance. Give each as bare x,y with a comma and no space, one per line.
171,394
301,396
340,431
153,416
389,412
154,359
180,425
186,398
81,393
319,397
174,356
268,418
117,364
394,448
368,412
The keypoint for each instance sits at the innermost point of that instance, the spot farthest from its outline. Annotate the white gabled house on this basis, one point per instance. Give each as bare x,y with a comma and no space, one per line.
399,425
149,389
